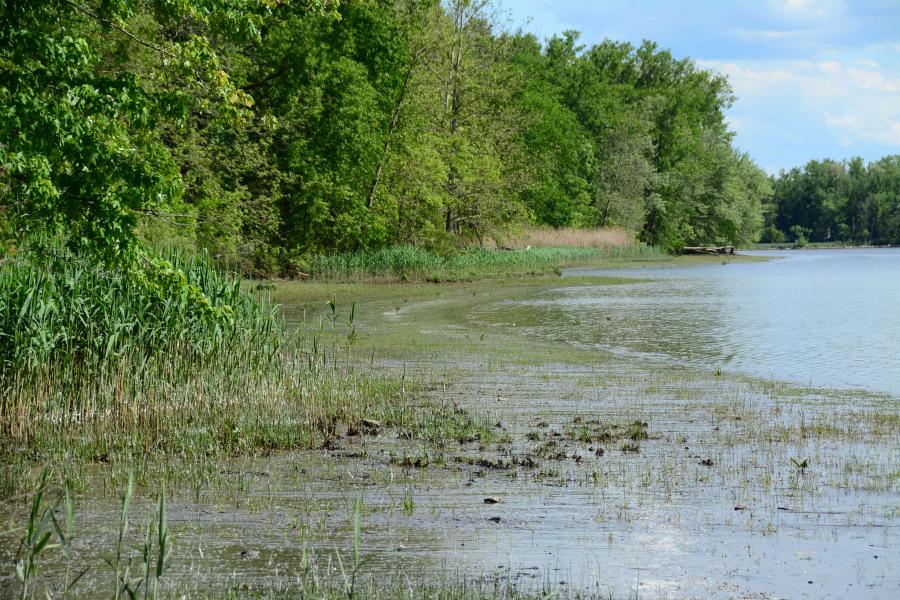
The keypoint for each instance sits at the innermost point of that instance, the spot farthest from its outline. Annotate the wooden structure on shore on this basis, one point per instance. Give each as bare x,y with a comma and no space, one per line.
708,250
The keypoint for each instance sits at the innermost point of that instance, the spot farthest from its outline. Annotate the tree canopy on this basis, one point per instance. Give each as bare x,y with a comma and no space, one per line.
269,130
836,201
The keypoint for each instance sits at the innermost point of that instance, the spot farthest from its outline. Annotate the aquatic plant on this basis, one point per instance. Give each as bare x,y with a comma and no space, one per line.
97,366
37,536
411,263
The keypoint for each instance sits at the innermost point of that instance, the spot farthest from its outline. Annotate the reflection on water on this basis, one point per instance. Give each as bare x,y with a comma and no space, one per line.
820,317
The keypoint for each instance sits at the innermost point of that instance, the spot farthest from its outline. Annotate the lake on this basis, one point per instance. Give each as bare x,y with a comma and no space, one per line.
825,318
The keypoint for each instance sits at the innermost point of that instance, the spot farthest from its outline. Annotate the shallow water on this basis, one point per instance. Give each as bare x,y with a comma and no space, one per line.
711,506
815,317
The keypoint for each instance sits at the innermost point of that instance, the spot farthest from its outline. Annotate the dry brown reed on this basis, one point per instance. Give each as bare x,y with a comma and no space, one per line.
573,237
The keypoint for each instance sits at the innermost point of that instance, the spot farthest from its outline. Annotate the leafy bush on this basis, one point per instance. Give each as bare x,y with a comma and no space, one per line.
772,235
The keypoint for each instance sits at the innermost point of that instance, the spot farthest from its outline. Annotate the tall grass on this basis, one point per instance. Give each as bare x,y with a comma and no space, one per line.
411,263
63,312
97,366
572,237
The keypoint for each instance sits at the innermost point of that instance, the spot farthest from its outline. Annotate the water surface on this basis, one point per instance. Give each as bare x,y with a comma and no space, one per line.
819,317
712,503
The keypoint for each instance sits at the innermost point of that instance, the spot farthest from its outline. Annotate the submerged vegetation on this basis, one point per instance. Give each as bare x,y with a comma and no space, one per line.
52,524
410,263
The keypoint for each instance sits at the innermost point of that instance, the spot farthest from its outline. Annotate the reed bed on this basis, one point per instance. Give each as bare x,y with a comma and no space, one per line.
606,238
406,263
98,366
61,311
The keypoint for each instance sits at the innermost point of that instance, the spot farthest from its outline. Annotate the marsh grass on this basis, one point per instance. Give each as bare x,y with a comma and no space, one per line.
59,310
98,368
406,263
572,237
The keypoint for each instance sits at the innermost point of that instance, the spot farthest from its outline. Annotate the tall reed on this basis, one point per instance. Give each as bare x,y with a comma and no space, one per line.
99,366
572,237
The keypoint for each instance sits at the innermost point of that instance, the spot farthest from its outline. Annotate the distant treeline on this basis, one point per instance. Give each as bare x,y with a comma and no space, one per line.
269,132
836,201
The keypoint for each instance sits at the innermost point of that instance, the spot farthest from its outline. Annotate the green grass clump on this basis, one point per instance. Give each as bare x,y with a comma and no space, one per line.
180,365
397,261
61,311
417,264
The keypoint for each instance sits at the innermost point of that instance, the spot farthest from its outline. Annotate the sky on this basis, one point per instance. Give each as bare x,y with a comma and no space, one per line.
813,78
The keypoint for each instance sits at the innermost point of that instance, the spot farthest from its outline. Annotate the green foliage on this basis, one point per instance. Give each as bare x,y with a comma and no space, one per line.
560,154
411,263
830,201
633,137
772,235
82,154
263,131
799,234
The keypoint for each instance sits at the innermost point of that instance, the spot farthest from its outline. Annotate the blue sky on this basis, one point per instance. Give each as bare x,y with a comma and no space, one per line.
813,78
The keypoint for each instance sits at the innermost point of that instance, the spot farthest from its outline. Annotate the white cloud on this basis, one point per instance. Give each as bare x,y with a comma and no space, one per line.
766,35
809,9
747,76
856,102
830,67
854,126
877,81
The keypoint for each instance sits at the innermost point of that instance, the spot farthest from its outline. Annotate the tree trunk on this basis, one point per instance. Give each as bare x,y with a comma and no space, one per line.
395,120
605,216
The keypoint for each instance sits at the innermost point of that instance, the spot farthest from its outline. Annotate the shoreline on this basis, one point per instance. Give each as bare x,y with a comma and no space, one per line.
589,454
549,271
819,246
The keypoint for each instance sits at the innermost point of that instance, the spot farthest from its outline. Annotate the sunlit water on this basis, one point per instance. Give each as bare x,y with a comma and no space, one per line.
819,317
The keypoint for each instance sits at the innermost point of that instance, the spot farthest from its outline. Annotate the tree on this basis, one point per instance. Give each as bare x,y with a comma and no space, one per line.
558,152
95,94
461,106
265,131
845,201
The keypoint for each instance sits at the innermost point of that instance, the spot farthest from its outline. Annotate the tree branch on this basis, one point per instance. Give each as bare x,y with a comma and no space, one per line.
144,43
